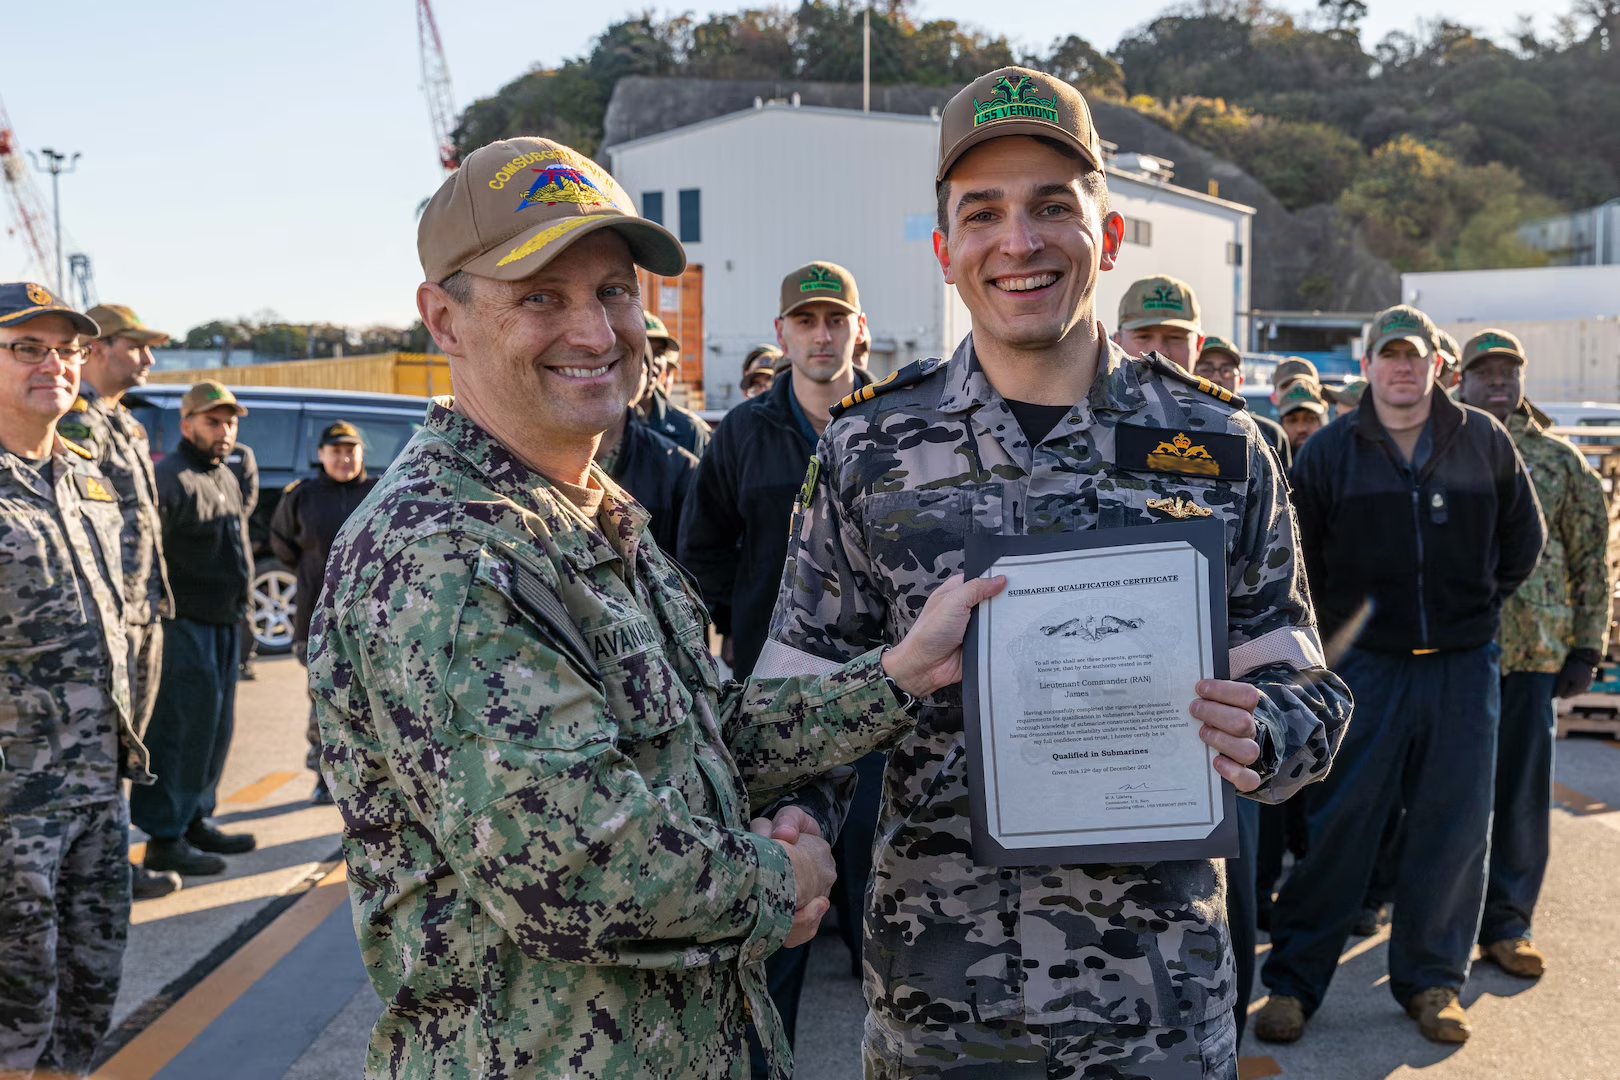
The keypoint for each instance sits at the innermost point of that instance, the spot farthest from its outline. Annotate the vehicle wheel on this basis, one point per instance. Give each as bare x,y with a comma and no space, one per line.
274,602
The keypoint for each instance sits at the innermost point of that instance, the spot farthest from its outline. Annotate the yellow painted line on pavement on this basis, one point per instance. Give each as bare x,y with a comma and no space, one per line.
1578,804
1258,1068
259,789
152,1049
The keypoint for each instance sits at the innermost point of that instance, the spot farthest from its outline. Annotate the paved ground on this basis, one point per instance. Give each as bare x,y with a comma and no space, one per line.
255,976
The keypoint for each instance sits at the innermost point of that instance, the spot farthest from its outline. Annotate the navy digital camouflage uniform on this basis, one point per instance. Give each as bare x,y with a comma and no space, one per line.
1101,971
119,446
65,739
549,864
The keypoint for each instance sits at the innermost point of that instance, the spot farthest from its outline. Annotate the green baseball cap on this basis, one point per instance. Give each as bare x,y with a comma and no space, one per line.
819,282
1159,301
1016,101
1491,343
1302,393
1403,322
1212,343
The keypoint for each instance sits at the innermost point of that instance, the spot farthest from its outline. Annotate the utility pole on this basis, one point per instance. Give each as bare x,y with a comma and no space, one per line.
866,60
53,165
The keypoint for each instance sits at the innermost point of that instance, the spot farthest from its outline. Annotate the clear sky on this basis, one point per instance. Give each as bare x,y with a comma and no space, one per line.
248,157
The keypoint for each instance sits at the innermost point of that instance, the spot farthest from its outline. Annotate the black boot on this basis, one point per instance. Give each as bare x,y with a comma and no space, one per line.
204,837
322,795
148,884
182,858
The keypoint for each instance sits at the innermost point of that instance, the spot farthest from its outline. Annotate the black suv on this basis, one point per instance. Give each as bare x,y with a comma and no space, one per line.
283,426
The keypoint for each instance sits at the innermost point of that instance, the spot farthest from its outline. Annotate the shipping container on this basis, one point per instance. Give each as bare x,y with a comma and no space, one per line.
417,374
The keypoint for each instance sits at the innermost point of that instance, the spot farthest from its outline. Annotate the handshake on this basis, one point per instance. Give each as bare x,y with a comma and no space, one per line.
813,870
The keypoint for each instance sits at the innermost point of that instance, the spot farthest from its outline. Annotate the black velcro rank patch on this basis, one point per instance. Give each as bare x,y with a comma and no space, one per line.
1212,455
93,488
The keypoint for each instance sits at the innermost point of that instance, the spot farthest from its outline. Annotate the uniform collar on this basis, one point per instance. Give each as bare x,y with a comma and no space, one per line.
42,484
1117,386
621,520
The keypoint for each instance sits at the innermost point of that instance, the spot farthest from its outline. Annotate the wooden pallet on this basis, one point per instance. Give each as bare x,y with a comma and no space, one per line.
1598,713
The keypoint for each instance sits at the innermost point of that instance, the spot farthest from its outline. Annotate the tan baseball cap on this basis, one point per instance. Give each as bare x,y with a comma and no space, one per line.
1016,101
1212,343
1491,343
515,204
819,282
1294,367
1403,322
1348,394
121,320
657,331
1159,301
1302,393
206,395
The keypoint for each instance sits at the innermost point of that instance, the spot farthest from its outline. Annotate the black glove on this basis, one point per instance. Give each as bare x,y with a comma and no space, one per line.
1580,667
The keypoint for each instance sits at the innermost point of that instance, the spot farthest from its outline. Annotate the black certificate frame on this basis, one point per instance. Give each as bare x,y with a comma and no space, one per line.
981,552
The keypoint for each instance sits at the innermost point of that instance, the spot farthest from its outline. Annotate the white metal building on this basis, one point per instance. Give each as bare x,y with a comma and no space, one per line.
1497,296
755,194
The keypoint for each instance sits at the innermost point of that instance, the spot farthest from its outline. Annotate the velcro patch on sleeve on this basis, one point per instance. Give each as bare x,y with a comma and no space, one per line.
1212,455
93,488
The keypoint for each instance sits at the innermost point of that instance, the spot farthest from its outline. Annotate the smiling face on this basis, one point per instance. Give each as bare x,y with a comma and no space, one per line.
559,352
1494,383
43,391
1400,375
819,339
1024,241
342,461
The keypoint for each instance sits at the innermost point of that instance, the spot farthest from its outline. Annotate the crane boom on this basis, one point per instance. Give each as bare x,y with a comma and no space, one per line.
436,85
30,221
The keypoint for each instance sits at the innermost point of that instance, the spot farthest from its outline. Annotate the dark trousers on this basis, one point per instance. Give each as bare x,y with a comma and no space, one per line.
852,854
1241,907
190,732
1524,772
64,916
1387,869
1423,736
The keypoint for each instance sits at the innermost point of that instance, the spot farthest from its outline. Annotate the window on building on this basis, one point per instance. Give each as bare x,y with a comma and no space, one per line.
1138,231
652,206
691,216
1234,253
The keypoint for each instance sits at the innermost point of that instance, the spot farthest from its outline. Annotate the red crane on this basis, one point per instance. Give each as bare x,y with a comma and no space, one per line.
436,85
29,219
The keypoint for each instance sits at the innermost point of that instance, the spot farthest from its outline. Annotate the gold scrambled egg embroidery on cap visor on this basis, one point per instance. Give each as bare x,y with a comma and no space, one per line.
540,239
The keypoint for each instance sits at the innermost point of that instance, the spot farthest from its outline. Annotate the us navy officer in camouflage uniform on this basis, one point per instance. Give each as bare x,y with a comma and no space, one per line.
1555,629
116,362
546,792
65,733
1040,424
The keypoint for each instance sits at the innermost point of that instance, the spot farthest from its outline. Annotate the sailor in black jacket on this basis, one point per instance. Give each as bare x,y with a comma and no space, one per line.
653,469
1416,520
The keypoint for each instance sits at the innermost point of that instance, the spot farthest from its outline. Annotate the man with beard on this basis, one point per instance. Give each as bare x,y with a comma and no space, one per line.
205,541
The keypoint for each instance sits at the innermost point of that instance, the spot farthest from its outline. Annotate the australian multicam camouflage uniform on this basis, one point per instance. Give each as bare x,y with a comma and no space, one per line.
549,864
118,445
968,964
65,739
1564,605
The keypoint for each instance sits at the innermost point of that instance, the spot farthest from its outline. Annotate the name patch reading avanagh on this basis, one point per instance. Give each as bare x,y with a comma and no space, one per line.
1214,455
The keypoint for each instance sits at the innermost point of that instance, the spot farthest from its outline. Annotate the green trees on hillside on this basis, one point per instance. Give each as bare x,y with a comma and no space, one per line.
1437,144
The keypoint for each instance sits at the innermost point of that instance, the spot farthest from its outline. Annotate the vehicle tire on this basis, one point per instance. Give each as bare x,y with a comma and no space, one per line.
273,603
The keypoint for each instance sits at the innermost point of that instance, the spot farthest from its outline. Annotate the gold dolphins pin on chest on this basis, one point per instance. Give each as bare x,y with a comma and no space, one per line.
1179,508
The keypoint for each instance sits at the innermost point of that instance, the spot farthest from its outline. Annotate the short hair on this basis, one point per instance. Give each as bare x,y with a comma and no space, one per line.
458,286
1094,184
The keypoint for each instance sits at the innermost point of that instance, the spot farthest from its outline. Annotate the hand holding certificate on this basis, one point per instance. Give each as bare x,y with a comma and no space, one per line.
1082,678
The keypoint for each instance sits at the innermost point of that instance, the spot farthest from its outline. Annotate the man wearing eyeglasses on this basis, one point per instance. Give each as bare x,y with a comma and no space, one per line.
115,363
65,732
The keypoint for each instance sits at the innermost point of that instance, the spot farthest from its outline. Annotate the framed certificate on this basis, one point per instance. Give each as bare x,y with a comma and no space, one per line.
1076,683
